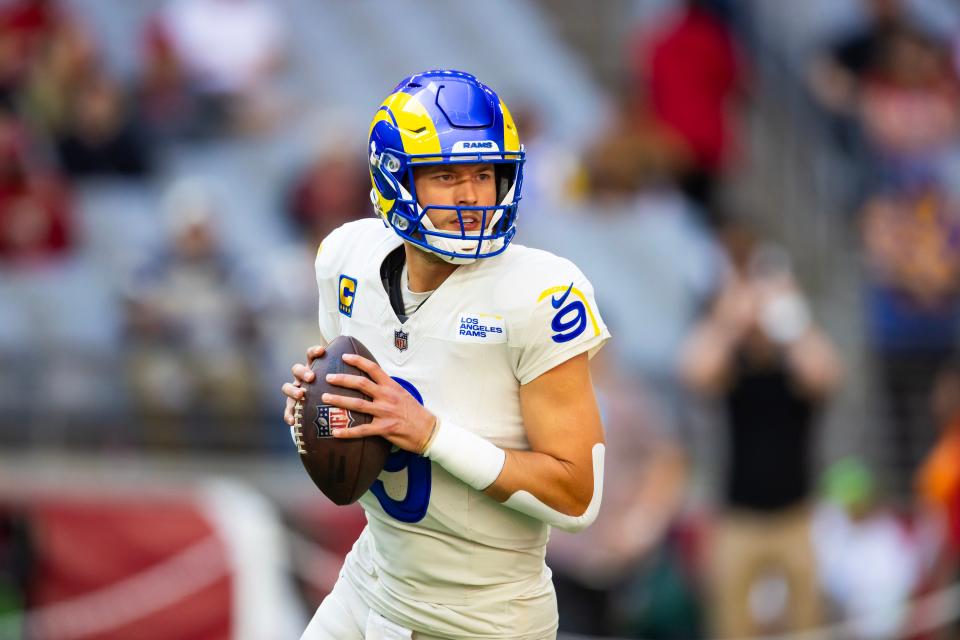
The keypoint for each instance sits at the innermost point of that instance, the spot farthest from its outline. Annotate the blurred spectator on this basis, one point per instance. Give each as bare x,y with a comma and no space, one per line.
169,105
938,482
193,344
889,93
101,137
597,571
34,207
333,189
839,69
553,177
868,562
16,570
910,105
693,74
227,51
913,296
25,27
759,352
67,60
634,153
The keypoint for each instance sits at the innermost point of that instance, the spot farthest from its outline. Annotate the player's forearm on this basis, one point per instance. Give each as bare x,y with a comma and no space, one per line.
524,500
559,484
559,493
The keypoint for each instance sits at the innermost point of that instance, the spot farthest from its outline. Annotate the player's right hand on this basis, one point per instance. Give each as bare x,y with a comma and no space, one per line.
301,373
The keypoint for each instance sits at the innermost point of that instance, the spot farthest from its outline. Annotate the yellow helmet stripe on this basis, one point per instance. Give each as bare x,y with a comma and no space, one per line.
416,127
511,137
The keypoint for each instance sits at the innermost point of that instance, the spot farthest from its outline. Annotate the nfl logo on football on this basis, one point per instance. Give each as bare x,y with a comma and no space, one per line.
400,339
329,418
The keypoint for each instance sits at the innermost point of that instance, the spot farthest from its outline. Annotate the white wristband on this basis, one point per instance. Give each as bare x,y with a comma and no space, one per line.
466,455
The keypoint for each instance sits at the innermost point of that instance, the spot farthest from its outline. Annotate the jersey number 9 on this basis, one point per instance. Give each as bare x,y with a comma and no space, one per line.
414,505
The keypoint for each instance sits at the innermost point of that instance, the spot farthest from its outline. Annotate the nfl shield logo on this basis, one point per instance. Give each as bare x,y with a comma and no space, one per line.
400,339
329,418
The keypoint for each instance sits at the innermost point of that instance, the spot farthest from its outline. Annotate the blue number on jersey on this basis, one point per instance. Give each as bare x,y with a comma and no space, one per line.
413,507
570,321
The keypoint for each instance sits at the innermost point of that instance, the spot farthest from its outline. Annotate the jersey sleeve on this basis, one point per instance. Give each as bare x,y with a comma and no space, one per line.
328,269
560,320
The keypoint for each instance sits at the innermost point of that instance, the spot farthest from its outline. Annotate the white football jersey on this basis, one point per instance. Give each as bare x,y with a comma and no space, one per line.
438,556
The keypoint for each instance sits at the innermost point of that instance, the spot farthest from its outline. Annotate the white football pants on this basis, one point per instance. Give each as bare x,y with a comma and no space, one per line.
343,615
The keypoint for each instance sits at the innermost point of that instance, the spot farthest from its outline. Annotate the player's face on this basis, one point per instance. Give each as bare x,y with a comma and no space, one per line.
460,185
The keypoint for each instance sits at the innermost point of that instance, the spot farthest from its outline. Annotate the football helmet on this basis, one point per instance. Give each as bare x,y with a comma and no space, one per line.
442,117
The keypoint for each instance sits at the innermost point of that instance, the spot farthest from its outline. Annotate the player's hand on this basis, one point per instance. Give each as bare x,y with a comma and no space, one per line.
301,373
397,416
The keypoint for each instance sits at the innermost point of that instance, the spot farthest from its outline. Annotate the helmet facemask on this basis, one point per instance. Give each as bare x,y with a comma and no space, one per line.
393,175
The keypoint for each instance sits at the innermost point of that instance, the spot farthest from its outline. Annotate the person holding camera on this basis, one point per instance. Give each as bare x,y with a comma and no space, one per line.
759,353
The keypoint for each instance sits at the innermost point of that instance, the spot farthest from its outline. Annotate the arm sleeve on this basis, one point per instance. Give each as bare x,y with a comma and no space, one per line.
561,321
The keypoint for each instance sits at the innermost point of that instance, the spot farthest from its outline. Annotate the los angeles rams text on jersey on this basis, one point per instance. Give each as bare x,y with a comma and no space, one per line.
437,555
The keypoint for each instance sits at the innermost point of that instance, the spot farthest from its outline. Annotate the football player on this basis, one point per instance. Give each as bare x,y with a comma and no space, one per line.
483,383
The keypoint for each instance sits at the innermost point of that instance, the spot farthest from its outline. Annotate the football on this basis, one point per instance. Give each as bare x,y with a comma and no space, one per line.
342,469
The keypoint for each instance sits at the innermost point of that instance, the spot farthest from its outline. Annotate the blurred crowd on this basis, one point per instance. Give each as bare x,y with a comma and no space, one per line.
717,339
184,309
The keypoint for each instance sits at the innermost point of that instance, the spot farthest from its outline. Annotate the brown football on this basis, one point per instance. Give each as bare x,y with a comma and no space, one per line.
342,469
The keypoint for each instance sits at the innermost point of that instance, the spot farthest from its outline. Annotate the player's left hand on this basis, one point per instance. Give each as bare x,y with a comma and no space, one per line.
397,416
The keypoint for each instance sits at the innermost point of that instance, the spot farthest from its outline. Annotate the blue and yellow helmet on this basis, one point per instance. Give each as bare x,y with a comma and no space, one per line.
442,117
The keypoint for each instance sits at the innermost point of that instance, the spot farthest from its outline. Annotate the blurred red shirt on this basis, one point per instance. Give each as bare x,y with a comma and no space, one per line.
24,27
34,208
692,73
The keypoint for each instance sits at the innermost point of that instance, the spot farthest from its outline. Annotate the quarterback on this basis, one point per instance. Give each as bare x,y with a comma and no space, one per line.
483,383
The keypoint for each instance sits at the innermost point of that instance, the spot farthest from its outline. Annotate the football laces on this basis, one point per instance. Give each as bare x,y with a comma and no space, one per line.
298,427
